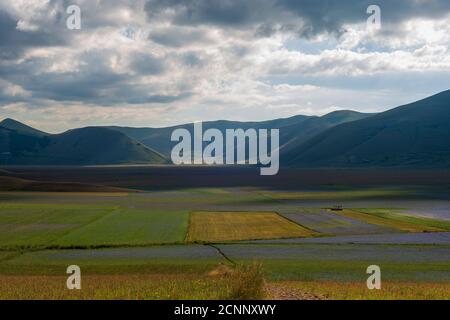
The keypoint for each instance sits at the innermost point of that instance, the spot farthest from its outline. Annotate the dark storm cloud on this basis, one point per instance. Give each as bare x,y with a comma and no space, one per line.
177,37
147,64
306,17
14,41
330,16
217,12
93,82
192,59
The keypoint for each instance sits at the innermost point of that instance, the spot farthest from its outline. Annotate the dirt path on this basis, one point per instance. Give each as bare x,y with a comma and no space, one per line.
278,291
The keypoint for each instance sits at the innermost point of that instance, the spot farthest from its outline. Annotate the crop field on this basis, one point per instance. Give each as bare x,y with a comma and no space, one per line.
130,227
398,224
368,193
31,225
389,214
328,222
189,243
232,226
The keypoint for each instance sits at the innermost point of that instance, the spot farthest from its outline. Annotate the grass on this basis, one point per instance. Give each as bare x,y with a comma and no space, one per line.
35,225
65,194
385,221
245,282
232,226
131,227
352,271
124,287
391,214
390,290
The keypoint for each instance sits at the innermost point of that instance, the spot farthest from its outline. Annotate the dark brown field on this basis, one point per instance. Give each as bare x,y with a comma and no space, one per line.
170,177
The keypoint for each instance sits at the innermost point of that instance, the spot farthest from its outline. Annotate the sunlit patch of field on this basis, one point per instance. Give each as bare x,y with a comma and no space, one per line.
394,214
390,290
231,226
388,221
68,194
336,194
210,191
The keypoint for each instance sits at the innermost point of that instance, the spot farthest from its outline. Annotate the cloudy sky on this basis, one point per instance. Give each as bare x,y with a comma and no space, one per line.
164,62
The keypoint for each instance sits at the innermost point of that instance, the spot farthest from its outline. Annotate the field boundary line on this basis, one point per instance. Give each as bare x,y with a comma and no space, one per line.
13,255
83,226
298,224
221,253
186,237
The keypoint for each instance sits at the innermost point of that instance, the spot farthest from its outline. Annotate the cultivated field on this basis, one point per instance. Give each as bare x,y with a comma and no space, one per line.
232,226
225,243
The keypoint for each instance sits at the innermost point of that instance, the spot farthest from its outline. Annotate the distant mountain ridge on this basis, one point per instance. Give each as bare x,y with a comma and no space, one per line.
416,134
292,130
413,135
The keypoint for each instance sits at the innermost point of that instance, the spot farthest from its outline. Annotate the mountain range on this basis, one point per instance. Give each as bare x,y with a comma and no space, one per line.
23,145
417,134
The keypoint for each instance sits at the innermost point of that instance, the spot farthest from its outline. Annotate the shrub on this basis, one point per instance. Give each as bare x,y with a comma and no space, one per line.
247,282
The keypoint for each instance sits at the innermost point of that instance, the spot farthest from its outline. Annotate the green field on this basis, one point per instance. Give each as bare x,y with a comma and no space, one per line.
34,225
130,227
385,221
396,215
142,245
368,193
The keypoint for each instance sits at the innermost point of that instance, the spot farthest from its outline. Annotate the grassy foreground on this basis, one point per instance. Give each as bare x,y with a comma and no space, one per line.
243,282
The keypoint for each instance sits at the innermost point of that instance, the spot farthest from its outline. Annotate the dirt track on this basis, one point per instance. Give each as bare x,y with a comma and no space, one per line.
279,292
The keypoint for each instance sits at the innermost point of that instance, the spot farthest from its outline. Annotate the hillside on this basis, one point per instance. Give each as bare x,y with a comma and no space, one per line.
291,137
417,134
23,145
21,128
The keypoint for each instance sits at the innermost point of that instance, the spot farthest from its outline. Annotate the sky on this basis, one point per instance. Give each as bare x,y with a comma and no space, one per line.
154,63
